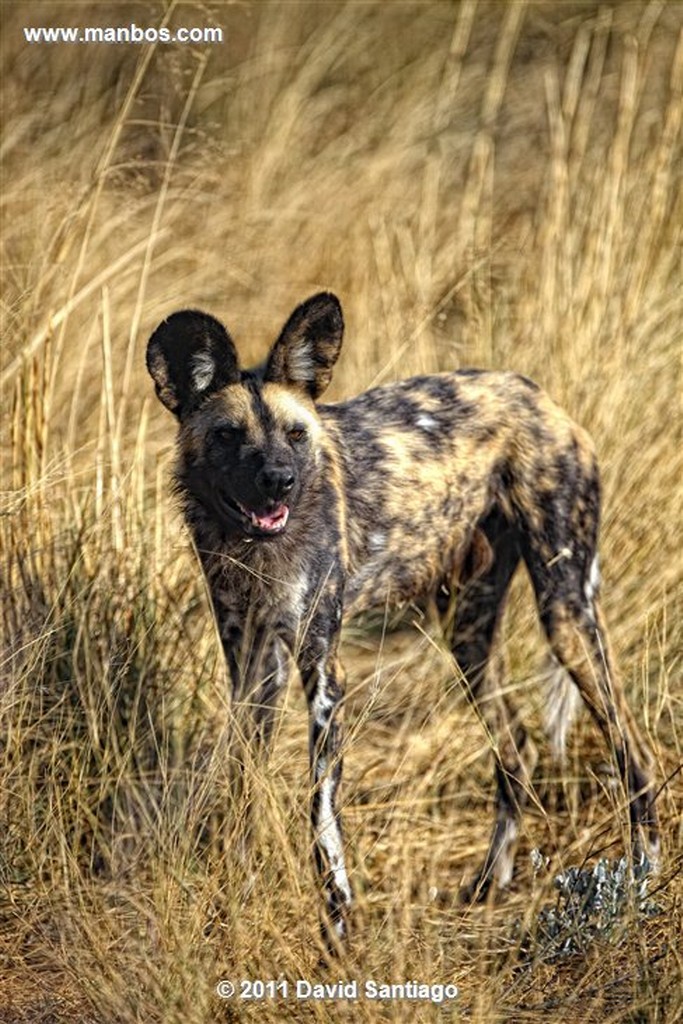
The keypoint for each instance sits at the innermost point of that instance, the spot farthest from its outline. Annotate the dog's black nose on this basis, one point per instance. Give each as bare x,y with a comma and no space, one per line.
275,481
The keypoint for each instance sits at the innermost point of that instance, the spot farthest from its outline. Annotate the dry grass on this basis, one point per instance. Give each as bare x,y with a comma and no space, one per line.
494,185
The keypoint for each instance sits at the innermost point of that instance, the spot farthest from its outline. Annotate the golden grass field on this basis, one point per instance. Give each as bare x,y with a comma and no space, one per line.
482,184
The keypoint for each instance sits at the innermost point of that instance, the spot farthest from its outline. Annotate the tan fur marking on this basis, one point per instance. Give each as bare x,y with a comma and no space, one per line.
234,403
288,408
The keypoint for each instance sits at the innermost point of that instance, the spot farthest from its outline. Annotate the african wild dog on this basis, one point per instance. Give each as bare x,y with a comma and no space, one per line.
439,485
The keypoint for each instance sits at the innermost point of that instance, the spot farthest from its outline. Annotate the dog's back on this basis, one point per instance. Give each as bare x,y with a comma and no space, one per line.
426,460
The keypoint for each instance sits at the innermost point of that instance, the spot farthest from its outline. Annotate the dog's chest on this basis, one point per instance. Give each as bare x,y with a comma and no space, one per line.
279,594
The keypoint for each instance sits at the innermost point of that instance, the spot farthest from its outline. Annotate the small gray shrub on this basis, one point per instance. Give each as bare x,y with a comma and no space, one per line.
592,903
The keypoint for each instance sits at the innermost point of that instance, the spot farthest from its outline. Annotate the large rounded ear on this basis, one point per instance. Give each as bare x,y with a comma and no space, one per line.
308,347
190,355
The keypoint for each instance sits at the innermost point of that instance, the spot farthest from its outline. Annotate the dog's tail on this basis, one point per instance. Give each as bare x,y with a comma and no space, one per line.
562,704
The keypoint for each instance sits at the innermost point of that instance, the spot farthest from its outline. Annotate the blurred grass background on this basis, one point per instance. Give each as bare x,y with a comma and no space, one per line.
487,184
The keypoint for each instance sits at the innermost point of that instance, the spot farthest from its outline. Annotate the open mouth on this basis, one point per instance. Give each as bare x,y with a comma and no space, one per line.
273,521
267,521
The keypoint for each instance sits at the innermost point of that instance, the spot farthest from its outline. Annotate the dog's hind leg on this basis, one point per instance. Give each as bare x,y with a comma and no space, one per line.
479,605
558,540
567,593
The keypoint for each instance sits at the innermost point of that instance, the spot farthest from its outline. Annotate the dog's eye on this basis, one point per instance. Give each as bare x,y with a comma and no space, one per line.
297,434
227,433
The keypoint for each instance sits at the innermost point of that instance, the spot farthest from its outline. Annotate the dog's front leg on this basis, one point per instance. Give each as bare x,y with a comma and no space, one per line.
322,677
258,663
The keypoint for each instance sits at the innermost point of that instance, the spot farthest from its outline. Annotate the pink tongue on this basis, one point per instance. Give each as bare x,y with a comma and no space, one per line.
274,520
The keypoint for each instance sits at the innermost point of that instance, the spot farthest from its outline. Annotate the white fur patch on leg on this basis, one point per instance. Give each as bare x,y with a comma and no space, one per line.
329,834
648,849
561,707
592,586
505,860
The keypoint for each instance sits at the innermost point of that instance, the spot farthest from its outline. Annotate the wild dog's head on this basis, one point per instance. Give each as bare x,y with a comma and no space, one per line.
249,439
